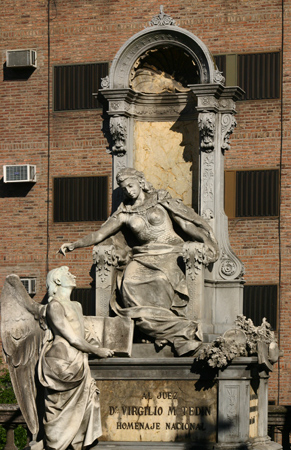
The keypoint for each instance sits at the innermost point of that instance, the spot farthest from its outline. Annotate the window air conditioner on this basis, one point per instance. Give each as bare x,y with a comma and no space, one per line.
18,174
29,284
20,58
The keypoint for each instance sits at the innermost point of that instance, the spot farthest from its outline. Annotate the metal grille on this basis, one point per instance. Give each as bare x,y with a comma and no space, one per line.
75,84
80,199
16,173
259,75
85,296
257,193
261,301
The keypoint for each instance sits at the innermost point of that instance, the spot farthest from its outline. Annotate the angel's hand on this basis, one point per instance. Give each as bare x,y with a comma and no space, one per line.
67,247
103,352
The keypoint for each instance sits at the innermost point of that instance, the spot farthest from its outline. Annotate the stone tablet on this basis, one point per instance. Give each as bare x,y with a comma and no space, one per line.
157,410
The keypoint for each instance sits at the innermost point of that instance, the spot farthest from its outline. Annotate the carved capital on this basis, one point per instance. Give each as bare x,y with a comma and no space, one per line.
228,124
118,131
206,124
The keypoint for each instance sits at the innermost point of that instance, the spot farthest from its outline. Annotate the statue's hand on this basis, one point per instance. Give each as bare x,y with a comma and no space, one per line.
104,352
67,247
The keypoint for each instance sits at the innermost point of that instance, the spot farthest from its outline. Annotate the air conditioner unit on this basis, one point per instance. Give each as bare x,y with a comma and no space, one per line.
19,174
29,284
20,58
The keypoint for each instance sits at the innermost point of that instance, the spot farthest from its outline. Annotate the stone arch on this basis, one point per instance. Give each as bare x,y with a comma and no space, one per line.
156,36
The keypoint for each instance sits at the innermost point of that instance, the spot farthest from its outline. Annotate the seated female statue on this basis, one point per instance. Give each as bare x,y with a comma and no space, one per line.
153,285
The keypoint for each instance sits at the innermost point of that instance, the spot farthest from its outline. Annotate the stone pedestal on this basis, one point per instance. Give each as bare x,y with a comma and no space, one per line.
162,403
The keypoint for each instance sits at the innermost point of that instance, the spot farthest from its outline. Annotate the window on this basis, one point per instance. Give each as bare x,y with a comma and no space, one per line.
258,74
75,84
80,199
251,193
260,301
85,296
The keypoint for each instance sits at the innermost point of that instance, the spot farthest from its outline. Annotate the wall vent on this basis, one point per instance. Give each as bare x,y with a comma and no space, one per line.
29,284
18,174
20,58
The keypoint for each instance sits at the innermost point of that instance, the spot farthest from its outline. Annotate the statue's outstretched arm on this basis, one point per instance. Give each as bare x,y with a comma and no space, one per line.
110,227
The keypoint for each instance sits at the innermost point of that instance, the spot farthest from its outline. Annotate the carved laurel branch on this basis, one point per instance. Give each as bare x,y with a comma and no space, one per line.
244,340
195,254
206,125
104,257
118,131
162,19
228,124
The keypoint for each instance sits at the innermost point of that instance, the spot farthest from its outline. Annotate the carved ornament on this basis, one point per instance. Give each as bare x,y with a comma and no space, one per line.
105,83
208,178
206,125
104,257
196,254
228,124
162,19
208,214
229,267
218,77
118,131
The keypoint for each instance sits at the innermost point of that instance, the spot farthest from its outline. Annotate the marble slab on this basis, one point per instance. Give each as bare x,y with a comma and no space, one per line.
157,410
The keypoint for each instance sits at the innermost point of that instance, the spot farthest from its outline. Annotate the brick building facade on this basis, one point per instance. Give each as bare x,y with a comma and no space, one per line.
65,141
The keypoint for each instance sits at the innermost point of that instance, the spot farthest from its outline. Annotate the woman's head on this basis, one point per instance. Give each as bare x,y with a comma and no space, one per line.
128,173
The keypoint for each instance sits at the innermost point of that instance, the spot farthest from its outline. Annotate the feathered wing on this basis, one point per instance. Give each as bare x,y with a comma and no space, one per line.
22,338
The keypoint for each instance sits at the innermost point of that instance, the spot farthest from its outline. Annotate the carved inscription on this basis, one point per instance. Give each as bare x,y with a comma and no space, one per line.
157,410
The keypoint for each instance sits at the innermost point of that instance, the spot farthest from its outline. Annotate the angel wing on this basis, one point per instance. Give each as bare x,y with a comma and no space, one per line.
22,338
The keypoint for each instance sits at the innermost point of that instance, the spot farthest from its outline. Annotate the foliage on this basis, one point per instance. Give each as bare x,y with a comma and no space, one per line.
7,395
20,437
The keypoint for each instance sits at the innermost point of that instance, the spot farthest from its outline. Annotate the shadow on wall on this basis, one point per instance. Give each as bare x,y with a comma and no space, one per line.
15,189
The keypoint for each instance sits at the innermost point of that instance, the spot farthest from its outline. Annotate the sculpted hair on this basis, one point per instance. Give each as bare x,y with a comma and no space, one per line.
51,278
129,172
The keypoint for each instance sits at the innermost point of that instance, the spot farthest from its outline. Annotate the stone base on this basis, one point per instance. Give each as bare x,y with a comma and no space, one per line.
152,446
162,403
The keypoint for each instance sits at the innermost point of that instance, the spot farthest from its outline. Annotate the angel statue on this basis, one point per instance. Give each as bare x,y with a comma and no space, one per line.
46,348
152,289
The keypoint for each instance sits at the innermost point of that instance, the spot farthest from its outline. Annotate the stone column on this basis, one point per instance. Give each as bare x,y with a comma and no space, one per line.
223,282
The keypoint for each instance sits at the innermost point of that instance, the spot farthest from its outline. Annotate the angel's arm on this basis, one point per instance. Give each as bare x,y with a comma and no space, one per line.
61,326
109,228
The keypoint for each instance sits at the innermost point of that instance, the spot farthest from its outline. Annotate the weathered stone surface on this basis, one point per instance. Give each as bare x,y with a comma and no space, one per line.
157,410
167,153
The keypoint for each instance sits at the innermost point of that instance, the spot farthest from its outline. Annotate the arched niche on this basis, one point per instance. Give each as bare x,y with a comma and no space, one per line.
155,129
158,36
